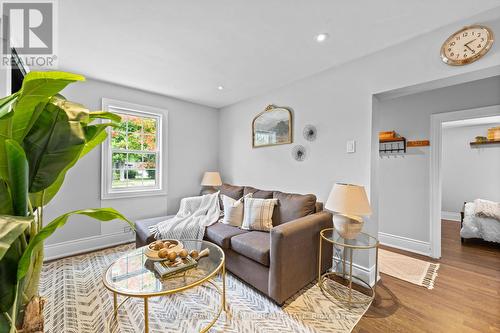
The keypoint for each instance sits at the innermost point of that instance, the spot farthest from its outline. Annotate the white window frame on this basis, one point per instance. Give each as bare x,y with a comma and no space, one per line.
107,192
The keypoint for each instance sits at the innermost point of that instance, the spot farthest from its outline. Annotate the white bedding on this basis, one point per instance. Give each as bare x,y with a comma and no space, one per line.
479,227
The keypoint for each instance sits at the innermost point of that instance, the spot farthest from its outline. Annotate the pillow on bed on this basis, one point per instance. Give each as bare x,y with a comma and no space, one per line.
488,209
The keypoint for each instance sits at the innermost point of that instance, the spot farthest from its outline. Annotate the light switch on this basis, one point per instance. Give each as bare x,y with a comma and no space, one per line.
351,146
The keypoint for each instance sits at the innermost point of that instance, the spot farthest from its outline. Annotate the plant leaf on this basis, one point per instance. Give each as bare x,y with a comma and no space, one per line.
18,177
5,131
5,199
101,214
38,87
11,227
95,135
105,115
6,105
55,140
8,278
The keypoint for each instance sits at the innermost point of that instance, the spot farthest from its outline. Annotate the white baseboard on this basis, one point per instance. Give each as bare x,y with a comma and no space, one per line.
451,216
404,243
362,272
69,248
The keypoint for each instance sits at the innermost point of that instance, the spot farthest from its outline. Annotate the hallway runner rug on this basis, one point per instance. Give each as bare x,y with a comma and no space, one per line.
416,271
77,302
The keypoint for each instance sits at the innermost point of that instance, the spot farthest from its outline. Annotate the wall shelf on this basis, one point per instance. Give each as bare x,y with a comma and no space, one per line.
488,142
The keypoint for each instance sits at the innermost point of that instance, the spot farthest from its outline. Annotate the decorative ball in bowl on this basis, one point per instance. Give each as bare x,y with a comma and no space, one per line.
165,249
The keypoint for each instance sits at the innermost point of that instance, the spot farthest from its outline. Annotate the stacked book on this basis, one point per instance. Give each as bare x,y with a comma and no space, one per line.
388,135
494,133
168,268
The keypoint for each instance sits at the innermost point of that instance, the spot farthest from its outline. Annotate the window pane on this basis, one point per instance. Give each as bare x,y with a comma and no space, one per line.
118,140
134,124
134,178
134,161
149,161
134,158
149,125
119,160
134,141
119,179
149,142
150,178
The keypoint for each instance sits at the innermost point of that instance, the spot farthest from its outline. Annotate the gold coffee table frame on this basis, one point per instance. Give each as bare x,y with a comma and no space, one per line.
220,269
351,248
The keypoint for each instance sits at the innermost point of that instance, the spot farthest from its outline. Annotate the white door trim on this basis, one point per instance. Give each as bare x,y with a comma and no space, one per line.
436,173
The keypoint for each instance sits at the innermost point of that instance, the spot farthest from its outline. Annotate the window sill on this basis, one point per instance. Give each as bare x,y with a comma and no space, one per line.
132,194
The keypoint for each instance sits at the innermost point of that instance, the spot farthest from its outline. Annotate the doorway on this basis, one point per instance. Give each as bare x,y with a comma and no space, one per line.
439,122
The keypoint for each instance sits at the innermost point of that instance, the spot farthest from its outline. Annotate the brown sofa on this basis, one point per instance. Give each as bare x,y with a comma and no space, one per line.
279,263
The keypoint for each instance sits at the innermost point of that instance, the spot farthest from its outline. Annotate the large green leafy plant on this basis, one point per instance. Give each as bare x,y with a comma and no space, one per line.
42,135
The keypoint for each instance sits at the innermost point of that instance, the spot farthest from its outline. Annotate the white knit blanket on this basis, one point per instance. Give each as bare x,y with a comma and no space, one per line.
194,215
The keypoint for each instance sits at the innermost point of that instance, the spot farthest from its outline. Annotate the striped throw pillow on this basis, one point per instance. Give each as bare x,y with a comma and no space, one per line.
258,214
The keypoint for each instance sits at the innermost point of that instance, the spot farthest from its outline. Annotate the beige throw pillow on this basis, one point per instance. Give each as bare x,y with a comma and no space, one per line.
233,210
258,214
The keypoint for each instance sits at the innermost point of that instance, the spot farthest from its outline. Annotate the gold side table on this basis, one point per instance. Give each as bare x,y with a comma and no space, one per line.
133,275
362,242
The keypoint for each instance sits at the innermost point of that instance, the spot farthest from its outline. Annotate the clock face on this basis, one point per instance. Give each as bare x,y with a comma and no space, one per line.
467,45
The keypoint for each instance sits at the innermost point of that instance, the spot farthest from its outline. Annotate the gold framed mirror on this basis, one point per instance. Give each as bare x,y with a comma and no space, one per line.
272,127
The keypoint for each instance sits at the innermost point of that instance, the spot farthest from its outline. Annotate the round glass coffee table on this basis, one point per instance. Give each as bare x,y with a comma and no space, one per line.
363,241
133,275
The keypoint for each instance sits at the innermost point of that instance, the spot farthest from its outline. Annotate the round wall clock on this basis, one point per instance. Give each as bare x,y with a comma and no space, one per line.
467,45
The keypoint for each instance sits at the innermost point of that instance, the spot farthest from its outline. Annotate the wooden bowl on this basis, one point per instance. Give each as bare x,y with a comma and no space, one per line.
153,254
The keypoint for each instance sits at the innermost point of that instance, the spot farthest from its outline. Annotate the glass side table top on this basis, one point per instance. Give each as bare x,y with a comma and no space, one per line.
134,275
362,240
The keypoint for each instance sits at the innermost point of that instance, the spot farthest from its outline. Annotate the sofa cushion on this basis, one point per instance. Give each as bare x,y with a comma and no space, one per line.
292,206
256,193
235,192
254,245
221,234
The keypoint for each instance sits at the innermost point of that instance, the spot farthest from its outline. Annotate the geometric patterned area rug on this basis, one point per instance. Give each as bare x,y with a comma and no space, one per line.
77,302
416,271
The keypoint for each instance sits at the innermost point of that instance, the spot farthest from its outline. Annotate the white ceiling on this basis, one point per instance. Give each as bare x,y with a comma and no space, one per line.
186,49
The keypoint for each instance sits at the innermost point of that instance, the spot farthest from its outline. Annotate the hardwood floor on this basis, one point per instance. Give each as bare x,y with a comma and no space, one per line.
465,298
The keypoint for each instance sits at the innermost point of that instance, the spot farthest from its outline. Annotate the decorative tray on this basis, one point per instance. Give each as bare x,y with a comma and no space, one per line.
171,245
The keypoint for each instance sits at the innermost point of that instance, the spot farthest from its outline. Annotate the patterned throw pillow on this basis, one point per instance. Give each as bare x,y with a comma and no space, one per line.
258,214
233,210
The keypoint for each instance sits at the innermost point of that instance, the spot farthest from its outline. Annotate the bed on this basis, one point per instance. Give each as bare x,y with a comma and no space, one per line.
474,226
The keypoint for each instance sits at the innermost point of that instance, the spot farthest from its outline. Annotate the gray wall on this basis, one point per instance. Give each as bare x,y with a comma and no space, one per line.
192,149
339,102
468,173
404,181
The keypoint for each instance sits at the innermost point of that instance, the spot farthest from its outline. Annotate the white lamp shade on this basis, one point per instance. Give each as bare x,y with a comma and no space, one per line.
211,178
348,199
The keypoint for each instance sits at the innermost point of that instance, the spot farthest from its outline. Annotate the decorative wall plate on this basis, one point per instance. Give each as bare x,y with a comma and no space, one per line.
299,153
310,132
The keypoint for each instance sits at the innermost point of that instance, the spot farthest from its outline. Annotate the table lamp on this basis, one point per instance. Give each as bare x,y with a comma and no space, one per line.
351,204
209,181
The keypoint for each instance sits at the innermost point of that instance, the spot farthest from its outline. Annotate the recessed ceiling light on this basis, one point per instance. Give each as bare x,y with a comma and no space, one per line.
220,88
320,38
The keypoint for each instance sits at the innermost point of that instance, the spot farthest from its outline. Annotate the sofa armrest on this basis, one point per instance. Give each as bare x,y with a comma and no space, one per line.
294,254
142,234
